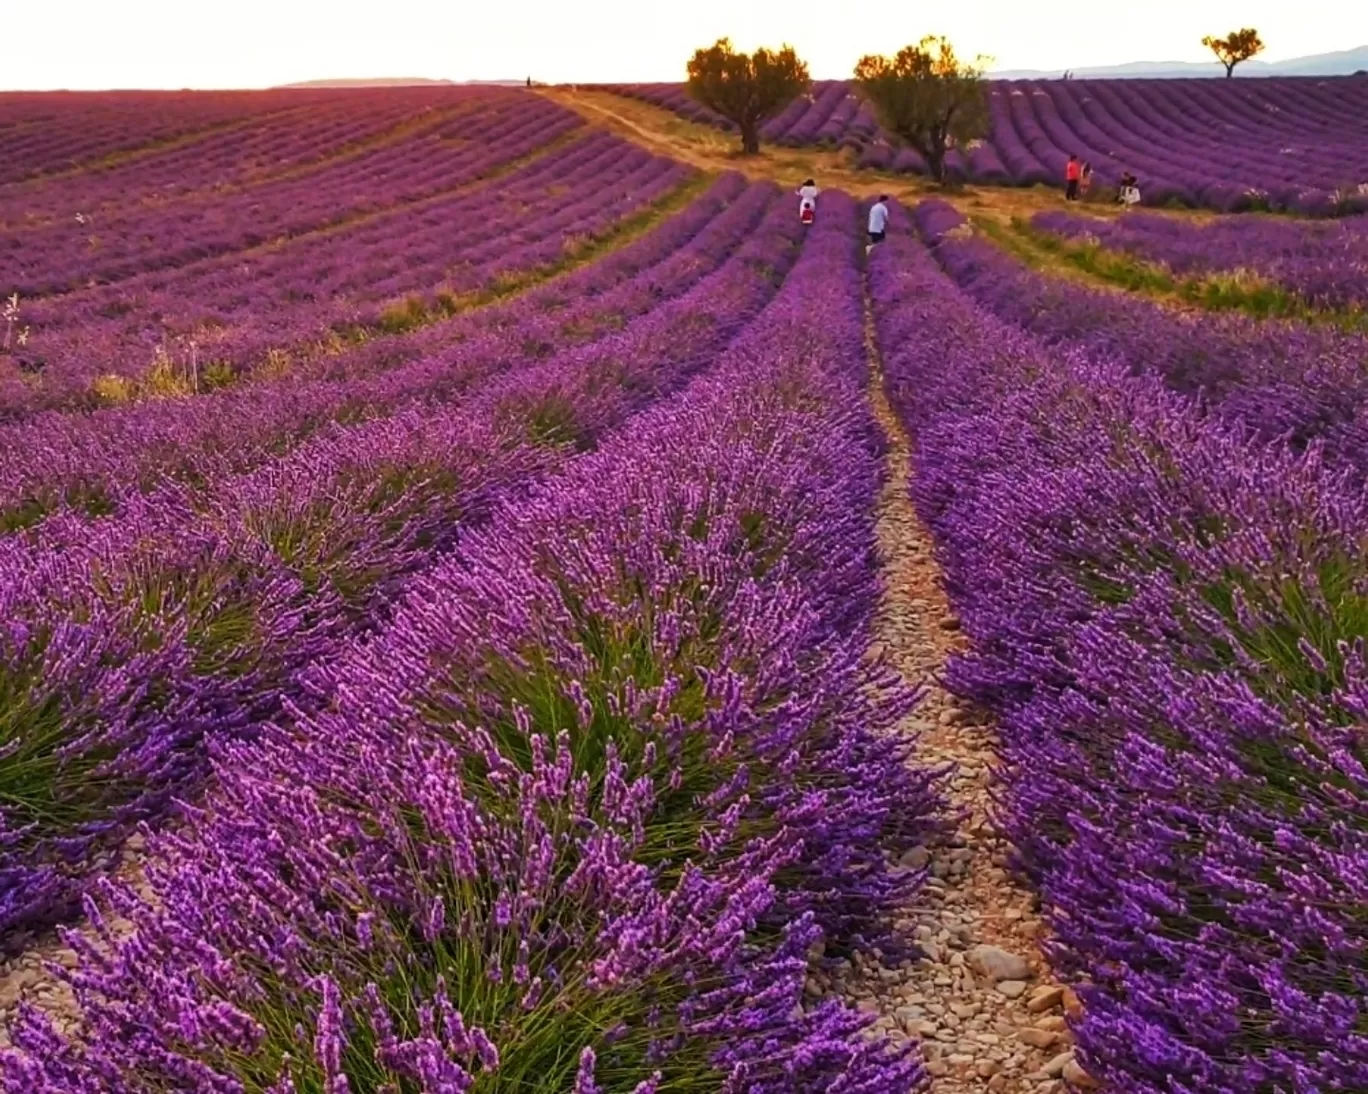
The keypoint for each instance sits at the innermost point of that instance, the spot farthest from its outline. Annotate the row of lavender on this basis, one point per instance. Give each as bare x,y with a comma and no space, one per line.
575,818
241,311
292,137
137,641
1324,265
1287,144
1284,380
88,462
1168,618
440,154
47,133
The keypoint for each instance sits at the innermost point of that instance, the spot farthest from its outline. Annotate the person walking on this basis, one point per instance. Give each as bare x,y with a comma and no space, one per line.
1072,171
807,202
878,223
1129,191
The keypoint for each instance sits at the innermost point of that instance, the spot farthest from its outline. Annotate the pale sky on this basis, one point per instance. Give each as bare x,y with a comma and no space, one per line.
83,44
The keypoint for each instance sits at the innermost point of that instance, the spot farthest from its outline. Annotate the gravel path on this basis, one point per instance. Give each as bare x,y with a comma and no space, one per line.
28,977
981,1002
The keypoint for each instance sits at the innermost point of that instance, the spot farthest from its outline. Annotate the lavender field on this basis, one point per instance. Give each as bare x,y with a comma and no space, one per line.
1292,144
485,607
1318,264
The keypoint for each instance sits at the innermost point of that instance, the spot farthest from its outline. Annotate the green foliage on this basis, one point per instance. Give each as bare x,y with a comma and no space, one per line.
927,97
744,88
1237,46
1231,290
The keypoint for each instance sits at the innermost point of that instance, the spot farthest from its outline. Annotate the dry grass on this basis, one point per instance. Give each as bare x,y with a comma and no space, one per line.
1001,213
712,150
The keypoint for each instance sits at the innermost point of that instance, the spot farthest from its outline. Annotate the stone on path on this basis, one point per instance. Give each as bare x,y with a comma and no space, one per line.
1045,997
996,964
1073,1073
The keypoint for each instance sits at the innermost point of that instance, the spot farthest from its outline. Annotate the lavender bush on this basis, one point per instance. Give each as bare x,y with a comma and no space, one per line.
1317,265
1283,379
1168,621
574,818
277,565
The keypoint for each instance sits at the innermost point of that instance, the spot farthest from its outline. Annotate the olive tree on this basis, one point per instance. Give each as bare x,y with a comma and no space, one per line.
927,97
1235,47
747,89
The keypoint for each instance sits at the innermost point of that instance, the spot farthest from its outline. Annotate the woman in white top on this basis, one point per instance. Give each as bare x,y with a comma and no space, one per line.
807,200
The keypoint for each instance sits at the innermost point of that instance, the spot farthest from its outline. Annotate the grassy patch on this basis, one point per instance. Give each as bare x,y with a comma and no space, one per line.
418,311
1234,290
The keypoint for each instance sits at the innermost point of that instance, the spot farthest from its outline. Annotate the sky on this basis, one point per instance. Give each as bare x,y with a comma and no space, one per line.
92,44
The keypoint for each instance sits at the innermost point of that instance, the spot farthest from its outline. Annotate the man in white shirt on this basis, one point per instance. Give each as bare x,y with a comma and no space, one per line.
878,222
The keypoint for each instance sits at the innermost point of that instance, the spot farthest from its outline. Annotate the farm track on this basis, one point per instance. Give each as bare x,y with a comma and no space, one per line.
25,977
664,133
994,209
981,1000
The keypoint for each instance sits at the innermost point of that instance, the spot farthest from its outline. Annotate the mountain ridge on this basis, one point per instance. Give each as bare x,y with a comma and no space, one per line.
1344,62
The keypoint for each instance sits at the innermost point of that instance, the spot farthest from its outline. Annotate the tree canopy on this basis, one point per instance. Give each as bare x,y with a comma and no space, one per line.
746,89
1237,46
927,97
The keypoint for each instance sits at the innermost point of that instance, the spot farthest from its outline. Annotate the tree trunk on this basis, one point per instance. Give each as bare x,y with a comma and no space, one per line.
1230,71
935,161
750,138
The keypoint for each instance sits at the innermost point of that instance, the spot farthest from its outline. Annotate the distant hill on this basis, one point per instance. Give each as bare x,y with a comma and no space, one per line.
380,81
1345,62
403,81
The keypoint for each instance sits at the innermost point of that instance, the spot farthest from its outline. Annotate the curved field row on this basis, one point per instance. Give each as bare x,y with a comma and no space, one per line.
1167,620
258,147
1322,266
46,135
1282,380
240,309
610,781
88,462
435,158
1287,144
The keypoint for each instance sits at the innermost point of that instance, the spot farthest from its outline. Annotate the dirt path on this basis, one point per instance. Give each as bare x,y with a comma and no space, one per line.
981,1002
993,209
28,977
713,150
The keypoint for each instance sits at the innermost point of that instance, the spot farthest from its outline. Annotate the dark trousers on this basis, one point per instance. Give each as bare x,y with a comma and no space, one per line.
1071,190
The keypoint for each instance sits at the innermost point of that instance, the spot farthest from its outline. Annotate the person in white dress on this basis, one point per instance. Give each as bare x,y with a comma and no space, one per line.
807,201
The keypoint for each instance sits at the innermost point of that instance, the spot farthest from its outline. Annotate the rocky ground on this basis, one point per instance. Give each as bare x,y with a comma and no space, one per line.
30,976
981,1002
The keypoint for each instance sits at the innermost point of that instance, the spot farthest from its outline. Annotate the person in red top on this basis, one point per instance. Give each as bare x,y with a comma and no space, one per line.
1071,175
